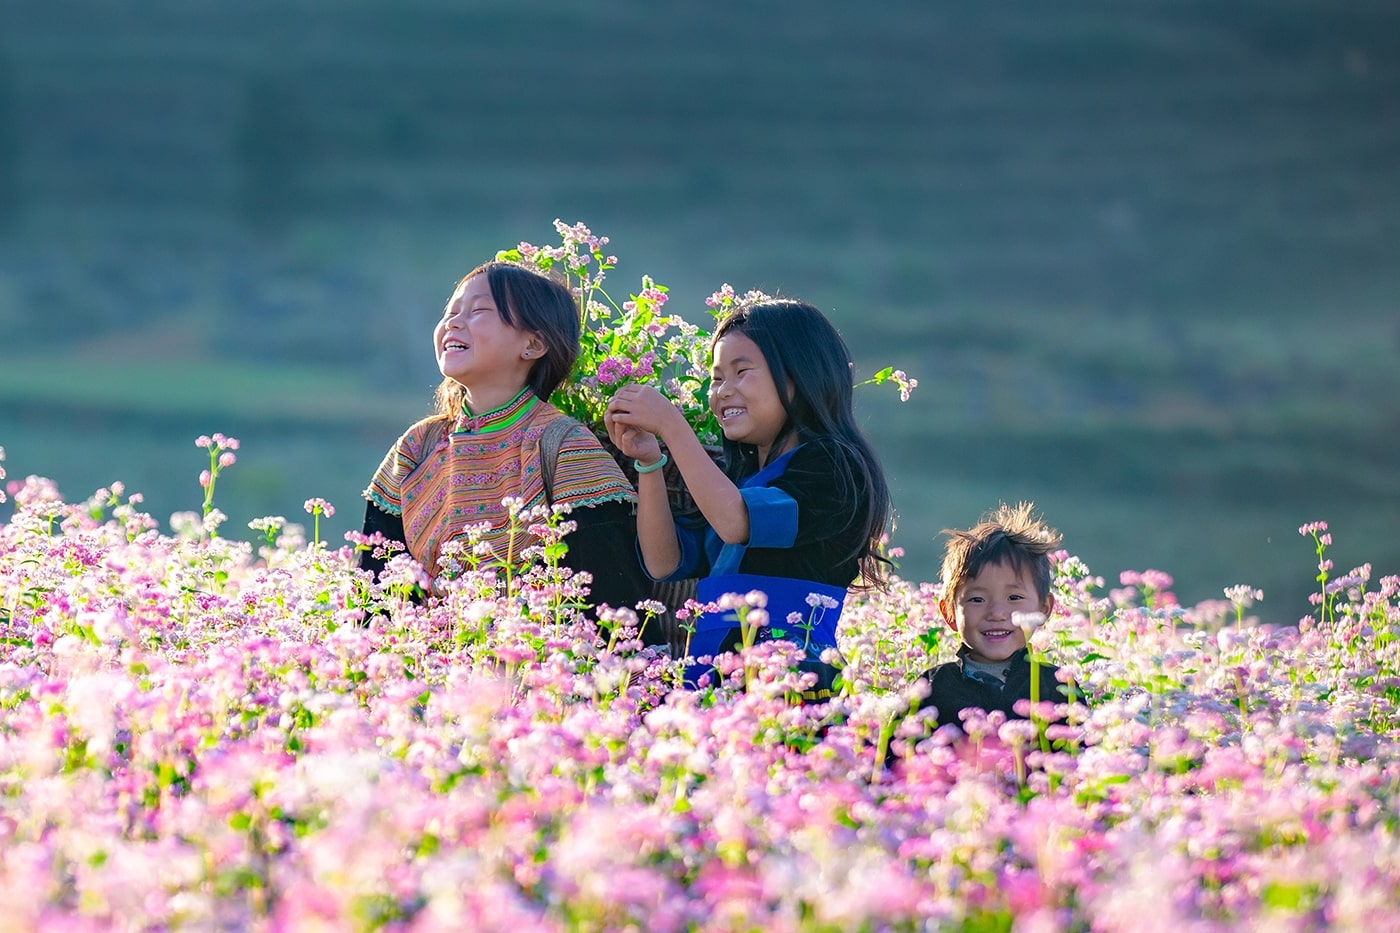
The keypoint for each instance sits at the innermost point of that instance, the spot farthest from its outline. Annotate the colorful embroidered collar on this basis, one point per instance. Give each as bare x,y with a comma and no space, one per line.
501,419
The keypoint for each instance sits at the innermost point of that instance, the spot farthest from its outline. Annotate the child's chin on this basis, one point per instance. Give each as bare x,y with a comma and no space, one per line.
1001,653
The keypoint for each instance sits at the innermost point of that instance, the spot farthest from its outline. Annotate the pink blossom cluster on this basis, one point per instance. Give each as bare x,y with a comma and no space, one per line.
578,247
726,298
615,369
196,736
318,506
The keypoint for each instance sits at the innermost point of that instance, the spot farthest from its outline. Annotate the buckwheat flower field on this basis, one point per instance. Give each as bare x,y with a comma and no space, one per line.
201,733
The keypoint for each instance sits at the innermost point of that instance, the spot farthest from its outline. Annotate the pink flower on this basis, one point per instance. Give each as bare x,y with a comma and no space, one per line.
613,370
1243,595
724,296
319,507
1157,579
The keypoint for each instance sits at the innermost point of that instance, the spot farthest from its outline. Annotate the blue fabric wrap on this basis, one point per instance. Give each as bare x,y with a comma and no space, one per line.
773,516
785,595
772,523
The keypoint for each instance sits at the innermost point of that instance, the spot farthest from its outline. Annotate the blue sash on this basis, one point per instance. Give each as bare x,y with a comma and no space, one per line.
815,632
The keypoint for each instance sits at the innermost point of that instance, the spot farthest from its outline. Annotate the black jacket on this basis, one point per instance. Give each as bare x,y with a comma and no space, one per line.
953,691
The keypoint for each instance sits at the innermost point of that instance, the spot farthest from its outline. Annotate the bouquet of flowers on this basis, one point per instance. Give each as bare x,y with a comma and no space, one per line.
636,340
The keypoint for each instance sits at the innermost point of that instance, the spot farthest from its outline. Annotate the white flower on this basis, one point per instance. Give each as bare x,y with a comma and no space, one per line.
1028,622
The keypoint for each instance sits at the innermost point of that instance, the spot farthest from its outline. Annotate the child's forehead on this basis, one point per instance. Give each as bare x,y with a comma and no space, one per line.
472,285
1001,570
736,345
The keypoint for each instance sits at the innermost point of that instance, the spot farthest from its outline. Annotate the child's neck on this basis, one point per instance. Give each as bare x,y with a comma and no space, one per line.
481,399
767,455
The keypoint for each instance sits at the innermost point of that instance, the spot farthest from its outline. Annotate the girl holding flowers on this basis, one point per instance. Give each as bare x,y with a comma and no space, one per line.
799,507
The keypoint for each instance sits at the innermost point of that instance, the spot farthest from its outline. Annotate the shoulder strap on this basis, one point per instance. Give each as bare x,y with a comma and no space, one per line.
550,442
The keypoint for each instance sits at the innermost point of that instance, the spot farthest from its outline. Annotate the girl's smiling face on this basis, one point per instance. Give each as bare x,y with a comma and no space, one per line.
981,611
743,395
474,345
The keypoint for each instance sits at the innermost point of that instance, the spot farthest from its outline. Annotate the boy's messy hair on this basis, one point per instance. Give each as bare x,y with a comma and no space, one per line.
1009,535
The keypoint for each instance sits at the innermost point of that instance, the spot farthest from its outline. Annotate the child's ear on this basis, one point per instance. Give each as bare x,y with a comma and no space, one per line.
535,347
947,610
1047,605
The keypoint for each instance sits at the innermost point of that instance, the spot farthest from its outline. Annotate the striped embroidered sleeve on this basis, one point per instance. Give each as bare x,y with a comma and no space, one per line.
385,490
586,474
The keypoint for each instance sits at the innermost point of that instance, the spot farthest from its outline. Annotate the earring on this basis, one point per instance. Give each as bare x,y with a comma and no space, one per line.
526,354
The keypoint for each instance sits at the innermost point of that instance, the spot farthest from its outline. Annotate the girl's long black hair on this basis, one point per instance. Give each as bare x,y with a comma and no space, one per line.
806,354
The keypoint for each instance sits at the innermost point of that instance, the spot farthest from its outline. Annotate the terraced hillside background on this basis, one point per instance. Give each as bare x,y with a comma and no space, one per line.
1141,255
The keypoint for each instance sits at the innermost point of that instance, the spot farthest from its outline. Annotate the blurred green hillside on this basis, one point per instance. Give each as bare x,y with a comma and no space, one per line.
1140,255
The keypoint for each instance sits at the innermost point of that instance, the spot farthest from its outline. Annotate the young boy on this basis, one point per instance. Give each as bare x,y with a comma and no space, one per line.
990,572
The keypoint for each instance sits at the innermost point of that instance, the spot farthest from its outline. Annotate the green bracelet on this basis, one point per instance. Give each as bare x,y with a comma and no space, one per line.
651,467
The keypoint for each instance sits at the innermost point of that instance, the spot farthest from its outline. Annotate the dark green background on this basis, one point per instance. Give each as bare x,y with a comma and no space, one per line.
1140,255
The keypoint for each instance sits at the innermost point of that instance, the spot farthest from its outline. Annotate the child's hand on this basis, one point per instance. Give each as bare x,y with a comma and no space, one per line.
642,407
631,440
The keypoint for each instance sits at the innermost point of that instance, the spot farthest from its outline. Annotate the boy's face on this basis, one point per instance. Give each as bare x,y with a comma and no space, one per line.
980,611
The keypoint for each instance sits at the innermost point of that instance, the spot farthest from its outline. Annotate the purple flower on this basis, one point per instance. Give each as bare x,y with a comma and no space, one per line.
613,370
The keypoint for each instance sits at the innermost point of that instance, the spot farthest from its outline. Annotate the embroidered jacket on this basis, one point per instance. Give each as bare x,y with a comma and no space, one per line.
437,491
